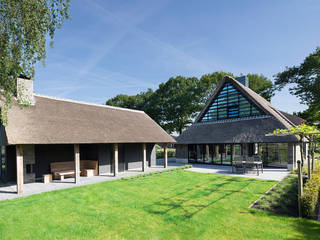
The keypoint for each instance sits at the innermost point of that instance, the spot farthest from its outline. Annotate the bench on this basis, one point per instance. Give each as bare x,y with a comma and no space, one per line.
60,170
89,164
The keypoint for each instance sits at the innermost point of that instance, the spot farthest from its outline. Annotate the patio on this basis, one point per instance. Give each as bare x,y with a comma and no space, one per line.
276,174
9,190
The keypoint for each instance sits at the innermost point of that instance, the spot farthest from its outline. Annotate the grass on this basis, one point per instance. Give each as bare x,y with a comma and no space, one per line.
282,199
172,205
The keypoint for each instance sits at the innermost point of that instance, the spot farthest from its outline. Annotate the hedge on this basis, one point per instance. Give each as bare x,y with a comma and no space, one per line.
171,152
310,197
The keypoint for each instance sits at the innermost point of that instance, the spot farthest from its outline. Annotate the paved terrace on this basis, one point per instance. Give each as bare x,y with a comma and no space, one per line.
9,191
276,174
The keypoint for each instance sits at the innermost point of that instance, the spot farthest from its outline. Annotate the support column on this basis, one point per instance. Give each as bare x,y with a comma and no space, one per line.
165,156
19,156
144,157
76,163
115,159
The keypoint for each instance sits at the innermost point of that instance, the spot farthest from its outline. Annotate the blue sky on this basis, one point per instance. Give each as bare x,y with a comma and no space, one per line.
111,47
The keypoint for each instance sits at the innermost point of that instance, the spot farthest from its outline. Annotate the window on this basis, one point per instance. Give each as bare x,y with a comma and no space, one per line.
274,154
230,103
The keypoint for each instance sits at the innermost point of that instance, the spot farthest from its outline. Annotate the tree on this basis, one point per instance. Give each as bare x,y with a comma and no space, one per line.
311,115
175,103
24,28
305,82
134,102
261,85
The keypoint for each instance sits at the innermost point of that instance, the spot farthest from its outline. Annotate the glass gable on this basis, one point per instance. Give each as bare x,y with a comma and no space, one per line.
230,103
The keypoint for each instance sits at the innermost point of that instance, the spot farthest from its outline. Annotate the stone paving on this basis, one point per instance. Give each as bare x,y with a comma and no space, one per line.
268,173
9,191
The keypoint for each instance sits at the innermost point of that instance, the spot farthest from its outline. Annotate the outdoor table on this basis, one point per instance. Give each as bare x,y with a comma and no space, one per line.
257,163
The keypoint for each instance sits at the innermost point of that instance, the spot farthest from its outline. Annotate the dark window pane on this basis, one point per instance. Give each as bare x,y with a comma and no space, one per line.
230,103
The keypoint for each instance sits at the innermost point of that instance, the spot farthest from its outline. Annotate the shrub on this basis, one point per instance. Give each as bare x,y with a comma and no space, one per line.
171,152
310,197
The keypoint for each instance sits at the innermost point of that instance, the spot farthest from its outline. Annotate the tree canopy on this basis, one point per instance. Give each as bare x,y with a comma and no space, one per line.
24,28
304,82
176,102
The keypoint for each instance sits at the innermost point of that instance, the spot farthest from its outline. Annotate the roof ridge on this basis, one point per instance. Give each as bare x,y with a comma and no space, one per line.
89,104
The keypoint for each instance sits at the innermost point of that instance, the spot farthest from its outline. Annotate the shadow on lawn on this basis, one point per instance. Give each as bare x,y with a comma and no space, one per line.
310,229
180,205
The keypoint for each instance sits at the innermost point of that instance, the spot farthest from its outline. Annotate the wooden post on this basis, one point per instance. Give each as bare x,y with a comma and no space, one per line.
115,159
312,153
165,156
19,156
144,156
309,164
300,186
76,163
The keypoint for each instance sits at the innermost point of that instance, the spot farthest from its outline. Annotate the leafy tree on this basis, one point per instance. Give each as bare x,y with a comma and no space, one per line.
311,115
24,27
261,85
176,102
304,82
134,102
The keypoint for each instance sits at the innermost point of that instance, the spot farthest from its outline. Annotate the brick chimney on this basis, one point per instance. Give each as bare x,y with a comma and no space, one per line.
243,80
25,90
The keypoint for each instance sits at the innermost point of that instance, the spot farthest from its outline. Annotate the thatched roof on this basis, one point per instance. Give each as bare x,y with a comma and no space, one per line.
245,130
57,121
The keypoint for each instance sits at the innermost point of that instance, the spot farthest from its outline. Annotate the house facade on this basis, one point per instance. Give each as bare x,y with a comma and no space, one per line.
59,130
234,122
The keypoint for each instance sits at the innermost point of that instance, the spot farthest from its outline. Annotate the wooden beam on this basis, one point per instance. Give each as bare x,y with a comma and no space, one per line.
165,157
115,159
76,163
144,157
19,156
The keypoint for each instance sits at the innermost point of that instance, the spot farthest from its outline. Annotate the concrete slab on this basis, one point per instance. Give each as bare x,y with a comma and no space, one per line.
9,191
268,173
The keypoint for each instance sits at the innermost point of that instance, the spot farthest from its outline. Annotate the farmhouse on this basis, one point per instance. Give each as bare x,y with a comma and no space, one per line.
235,122
69,137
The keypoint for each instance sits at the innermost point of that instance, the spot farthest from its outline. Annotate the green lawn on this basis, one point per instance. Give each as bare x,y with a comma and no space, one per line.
173,205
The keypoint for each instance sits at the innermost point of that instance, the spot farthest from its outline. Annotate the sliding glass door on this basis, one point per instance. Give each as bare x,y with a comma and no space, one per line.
216,154
213,153
227,154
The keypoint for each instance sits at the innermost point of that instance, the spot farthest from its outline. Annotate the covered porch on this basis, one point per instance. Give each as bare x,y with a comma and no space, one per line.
33,163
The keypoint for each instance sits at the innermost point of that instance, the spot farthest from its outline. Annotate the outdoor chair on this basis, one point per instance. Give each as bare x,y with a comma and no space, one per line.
238,164
258,160
250,163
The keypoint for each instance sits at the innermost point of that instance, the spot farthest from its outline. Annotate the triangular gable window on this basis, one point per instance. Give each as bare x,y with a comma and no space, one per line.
230,103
